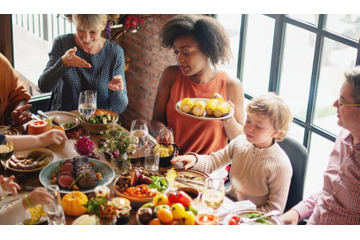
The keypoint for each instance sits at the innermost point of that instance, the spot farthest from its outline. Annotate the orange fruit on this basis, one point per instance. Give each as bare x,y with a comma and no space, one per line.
165,215
155,221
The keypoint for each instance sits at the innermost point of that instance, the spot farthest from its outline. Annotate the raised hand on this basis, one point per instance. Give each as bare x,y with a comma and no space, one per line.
21,115
116,84
71,60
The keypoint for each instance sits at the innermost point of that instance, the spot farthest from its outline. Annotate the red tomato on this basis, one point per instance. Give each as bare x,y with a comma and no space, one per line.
179,197
232,222
236,218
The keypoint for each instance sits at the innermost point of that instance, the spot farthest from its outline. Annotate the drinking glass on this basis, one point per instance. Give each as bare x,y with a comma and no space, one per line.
87,104
139,130
6,150
152,162
54,211
213,193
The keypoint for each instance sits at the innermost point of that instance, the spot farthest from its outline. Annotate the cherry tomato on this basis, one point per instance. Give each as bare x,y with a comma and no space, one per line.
155,221
189,218
157,208
236,218
233,222
160,199
179,197
177,210
165,215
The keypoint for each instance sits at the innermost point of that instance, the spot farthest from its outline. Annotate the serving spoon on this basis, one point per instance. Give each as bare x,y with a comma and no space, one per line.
271,213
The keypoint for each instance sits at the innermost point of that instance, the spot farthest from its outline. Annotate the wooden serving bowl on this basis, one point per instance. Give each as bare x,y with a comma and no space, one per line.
97,128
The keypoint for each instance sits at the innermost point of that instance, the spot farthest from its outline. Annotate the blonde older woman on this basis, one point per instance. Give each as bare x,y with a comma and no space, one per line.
85,61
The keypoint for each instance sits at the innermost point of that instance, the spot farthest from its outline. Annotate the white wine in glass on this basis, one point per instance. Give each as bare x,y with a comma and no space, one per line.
213,193
87,103
139,130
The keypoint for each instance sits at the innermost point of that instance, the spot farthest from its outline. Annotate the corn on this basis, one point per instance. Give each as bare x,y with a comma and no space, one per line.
36,213
187,104
222,109
212,104
199,108
216,95
164,151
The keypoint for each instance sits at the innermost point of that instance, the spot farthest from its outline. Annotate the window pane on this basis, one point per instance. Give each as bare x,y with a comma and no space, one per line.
318,160
296,132
336,59
310,18
345,24
259,40
231,23
296,68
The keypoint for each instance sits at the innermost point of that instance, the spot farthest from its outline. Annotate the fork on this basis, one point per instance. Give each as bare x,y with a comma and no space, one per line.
271,213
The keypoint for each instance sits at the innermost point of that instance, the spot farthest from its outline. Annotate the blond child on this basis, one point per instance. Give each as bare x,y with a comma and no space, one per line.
260,170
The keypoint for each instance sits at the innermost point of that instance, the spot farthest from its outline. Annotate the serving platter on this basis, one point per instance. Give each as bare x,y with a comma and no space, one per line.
190,178
241,213
49,157
63,118
10,200
107,172
205,117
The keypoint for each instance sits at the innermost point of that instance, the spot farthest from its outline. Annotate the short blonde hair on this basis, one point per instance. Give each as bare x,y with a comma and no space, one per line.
90,21
274,108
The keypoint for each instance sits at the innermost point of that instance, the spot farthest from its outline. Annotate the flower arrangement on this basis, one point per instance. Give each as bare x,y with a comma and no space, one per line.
117,142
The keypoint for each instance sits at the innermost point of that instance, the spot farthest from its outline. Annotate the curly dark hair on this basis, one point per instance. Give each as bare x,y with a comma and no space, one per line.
207,31
353,78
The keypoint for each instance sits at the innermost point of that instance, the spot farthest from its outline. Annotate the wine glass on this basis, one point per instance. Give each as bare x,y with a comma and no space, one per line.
213,193
6,150
87,104
54,211
139,130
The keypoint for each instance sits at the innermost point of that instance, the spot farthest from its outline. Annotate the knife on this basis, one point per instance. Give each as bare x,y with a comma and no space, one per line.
41,113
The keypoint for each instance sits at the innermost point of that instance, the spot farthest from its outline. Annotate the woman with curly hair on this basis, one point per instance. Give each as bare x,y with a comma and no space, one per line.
200,43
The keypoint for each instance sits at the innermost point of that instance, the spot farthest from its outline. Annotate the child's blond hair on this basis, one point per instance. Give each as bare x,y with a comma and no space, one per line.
274,108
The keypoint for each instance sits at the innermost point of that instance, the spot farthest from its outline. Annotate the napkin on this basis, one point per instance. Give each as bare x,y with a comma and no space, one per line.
229,206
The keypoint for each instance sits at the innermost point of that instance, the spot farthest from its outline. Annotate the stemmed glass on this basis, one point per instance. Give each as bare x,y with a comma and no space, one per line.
87,104
139,130
54,211
213,193
6,150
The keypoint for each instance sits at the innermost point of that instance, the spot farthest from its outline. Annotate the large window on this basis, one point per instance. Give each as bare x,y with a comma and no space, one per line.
303,59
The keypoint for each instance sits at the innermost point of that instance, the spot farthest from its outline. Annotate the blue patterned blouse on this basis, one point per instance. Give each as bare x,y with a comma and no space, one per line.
67,82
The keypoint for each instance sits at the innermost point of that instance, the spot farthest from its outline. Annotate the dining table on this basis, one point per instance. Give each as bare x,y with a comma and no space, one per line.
66,150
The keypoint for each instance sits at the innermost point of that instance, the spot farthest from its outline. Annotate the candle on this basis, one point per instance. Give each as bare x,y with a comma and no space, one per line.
37,127
120,202
206,219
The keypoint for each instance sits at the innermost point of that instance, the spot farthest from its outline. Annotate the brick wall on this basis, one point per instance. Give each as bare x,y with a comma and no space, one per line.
147,61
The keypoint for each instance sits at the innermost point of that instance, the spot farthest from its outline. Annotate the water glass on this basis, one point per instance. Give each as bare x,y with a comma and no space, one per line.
152,162
54,211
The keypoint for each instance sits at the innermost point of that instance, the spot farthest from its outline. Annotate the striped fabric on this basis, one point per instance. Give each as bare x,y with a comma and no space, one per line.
339,200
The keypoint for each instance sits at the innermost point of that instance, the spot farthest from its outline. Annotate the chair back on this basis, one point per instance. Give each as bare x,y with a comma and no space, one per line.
298,156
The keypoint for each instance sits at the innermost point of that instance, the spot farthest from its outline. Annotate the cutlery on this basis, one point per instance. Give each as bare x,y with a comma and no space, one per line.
41,113
271,213
189,182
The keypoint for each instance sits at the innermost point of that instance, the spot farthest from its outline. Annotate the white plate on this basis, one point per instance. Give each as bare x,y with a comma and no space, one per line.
63,117
9,200
205,117
49,156
240,213
107,172
8,130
